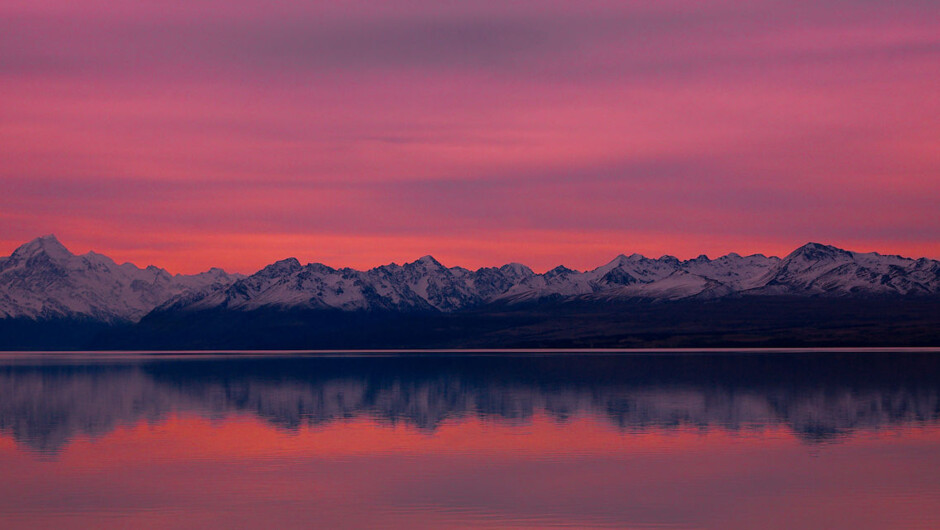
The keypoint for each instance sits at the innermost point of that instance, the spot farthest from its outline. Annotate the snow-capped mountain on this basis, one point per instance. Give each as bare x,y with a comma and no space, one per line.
43,280
826,270
639,277
427,285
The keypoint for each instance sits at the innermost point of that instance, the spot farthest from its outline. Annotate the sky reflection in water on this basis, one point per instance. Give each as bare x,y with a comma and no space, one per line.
812,440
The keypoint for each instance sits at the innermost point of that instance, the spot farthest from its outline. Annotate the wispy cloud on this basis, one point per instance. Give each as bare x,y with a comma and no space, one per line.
672,126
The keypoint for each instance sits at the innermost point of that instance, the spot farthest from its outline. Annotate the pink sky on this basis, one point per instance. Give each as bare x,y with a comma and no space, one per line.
233,134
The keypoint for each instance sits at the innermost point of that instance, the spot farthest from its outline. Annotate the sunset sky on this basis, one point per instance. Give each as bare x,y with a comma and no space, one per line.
190,134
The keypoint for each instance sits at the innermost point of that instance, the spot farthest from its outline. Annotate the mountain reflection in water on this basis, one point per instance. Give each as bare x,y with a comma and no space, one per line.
44,404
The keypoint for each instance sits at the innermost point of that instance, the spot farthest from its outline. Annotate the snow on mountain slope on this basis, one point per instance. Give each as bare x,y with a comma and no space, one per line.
42,279
637,276
490,282
423,285
677,286
737,272
816,269
560,281
426,285
643,269
288,284
442,288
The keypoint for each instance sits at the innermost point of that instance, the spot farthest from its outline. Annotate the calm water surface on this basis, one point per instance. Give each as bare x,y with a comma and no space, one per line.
707,440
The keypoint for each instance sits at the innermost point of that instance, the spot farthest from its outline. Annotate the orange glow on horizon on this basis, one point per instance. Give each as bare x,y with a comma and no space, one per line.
188,253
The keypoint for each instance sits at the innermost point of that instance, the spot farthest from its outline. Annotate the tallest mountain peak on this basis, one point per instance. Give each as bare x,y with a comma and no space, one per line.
48,245
429,260
817,251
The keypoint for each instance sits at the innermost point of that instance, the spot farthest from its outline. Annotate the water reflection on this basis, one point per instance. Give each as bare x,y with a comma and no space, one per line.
819,397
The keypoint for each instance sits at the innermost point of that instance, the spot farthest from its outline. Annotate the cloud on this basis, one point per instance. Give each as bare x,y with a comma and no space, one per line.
666,125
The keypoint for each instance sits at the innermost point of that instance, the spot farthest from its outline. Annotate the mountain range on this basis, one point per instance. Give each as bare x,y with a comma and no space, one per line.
42,281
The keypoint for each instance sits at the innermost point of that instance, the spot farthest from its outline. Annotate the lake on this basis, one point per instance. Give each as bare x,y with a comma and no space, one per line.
756,439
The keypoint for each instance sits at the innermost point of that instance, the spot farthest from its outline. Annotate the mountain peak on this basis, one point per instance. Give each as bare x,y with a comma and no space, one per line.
818,246
560,270
817,251
47,245
517,269
428,260
284,266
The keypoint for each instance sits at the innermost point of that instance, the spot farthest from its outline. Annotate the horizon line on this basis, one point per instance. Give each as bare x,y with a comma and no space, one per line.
461,351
